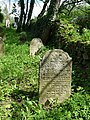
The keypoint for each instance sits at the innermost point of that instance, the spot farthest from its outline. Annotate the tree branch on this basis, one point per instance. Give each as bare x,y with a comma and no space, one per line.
43,9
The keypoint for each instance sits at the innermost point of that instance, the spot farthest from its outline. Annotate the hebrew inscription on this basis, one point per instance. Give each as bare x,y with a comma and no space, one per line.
55,76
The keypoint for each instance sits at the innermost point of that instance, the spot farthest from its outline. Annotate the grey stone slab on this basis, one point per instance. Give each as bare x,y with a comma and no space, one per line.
35,45
55,76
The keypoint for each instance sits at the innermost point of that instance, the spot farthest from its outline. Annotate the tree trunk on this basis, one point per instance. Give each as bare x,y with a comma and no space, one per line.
43,9
51,16
21,16
25,15
53,9
30,12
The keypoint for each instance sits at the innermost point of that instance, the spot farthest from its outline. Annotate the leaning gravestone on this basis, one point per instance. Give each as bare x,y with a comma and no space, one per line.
55,76
35,45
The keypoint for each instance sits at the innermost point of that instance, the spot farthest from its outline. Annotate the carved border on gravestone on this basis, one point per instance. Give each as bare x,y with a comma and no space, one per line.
55,79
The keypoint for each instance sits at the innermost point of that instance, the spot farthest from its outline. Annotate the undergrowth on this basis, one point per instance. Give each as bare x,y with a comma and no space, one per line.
19,87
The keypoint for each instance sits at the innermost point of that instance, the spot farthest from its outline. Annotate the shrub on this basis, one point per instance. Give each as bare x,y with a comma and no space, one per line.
23,37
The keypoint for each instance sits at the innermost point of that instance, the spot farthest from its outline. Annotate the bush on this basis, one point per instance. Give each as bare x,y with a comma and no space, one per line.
19,87
23,37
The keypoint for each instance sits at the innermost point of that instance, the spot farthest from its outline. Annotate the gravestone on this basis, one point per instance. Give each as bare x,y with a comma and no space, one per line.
55,76
35,45
7,23
1,46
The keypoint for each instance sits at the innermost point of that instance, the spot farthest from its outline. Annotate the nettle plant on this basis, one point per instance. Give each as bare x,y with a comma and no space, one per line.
69,32
86,35
19,85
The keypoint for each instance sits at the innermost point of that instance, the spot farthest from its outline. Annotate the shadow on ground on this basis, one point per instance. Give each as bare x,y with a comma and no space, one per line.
19,95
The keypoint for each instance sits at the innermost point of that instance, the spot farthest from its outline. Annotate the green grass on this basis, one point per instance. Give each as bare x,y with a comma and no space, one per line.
19,87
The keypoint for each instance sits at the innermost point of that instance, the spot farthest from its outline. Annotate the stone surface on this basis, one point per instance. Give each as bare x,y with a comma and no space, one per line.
35,45
55,76
7,23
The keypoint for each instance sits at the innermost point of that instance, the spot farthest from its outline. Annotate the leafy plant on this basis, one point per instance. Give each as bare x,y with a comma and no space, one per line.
19,85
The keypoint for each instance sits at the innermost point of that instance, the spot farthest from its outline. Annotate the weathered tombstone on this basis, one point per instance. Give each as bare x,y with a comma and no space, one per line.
55,76
35,45
1,46
7,23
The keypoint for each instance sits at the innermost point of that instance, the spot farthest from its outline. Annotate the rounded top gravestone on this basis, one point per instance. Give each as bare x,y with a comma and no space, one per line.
35,45
55,76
